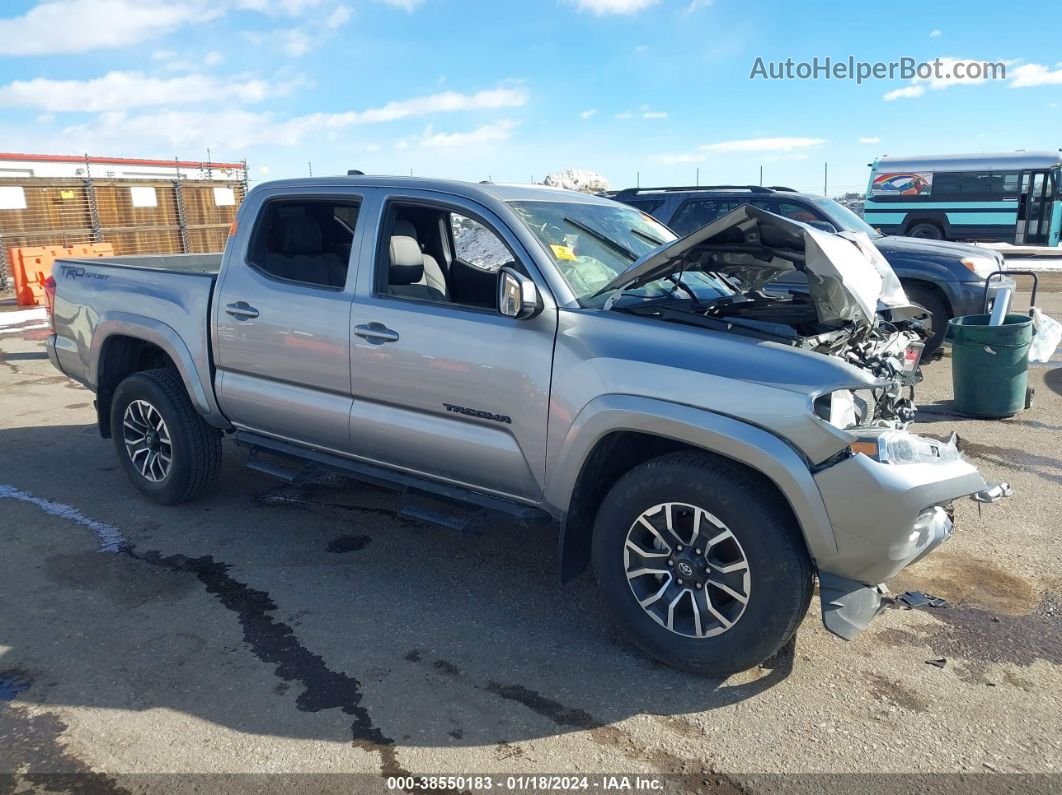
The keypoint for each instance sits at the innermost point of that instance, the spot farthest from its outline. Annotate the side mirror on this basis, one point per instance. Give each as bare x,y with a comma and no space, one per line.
517,295
823,226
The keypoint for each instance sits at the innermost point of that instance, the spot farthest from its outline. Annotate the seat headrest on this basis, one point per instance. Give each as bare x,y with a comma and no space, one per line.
407,262
301,235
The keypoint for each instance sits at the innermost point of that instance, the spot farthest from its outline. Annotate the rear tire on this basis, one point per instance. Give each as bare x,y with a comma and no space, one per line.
926,232
714,623
928,298
166,449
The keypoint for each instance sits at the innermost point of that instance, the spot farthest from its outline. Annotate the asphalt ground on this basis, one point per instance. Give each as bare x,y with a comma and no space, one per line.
271,637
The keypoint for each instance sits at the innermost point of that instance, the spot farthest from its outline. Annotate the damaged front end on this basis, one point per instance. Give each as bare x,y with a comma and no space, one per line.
854,308
888,492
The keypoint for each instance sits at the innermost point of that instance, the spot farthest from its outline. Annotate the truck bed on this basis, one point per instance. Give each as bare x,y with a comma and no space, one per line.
162,299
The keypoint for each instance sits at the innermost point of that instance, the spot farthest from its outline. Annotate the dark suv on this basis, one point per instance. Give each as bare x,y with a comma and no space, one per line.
948,279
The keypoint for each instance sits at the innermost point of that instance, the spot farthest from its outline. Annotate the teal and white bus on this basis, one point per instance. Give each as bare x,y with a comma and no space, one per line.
1013,197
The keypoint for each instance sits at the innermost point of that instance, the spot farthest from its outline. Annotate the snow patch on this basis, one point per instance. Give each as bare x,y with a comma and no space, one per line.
110,538
21,316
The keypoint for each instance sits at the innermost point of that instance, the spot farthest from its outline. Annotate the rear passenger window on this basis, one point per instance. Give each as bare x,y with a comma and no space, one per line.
304,240
476,245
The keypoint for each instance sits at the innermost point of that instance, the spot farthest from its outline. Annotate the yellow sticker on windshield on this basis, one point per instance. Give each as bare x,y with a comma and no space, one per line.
562,252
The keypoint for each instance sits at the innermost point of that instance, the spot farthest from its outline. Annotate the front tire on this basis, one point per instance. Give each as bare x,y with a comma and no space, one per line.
701,563
928,299
166,449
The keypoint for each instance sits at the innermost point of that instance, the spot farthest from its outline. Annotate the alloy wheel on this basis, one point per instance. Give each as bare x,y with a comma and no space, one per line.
687,570
147,440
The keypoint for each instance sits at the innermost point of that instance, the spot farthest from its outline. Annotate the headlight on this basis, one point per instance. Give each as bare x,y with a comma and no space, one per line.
900,447
982,266
846,408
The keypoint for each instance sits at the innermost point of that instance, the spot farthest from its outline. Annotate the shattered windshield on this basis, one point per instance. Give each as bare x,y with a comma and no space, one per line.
591,244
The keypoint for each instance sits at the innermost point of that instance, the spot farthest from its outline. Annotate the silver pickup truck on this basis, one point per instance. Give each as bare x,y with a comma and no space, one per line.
708,446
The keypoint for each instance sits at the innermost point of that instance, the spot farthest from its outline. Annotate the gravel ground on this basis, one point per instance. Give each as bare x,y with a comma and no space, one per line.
309,630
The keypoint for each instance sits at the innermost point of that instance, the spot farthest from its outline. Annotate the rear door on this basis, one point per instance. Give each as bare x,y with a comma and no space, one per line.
444,385
282,318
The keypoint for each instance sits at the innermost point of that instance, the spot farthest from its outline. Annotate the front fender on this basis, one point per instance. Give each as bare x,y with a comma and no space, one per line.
714,433
166,338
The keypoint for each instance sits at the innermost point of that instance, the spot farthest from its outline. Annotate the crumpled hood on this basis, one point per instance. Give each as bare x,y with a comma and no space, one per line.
848,278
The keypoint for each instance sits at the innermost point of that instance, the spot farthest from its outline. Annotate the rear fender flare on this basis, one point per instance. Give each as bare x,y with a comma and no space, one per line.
169,341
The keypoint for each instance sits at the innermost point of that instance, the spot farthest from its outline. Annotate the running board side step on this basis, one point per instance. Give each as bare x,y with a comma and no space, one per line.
425,500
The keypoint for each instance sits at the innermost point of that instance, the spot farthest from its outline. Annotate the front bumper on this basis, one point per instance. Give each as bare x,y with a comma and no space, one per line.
885,517
968,298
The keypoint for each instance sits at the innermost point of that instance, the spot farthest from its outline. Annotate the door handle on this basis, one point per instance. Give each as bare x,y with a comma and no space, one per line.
376,333
241,310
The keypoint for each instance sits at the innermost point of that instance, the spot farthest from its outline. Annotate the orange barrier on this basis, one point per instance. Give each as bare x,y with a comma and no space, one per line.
32,265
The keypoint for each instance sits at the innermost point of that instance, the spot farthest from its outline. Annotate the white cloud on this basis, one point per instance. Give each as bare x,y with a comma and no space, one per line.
792,147
339,17
263,170
586,114
213,58
641,48
934,34
1034,74
764,145
444,102
908,92
487,133
82,25
696,5
654,114
127,90
291,8
51,26
296,42
870,140
603,7
406,5
624,115
234,129
948,75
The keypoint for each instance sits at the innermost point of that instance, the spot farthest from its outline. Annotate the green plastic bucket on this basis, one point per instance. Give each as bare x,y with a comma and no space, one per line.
990,364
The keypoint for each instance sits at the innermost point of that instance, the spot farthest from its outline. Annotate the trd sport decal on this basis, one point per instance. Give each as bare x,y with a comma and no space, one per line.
483,415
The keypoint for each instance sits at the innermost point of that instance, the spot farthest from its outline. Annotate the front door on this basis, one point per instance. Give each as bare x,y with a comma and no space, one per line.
1036,193
282,320
443,384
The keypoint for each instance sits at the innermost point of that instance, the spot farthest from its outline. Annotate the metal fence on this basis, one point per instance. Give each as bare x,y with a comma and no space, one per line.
137,216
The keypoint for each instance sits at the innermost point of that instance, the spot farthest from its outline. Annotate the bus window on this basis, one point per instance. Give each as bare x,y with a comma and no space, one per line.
976,182
1009,182
945,183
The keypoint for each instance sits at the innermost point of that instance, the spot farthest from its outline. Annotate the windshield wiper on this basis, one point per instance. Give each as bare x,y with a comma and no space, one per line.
647,238
604,239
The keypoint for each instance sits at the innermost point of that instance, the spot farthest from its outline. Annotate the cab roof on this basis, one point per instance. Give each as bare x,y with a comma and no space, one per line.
483,192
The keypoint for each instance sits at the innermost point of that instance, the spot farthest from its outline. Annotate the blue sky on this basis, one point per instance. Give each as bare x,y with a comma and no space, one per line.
514,90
